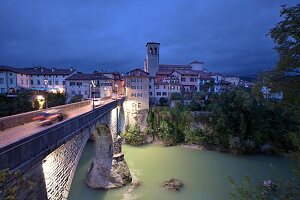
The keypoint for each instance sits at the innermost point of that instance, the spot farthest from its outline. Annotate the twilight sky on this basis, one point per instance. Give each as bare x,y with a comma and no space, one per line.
227,35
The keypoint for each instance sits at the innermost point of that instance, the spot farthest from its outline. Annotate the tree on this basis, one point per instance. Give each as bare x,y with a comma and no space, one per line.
176,96
286,76
286,35
133,135
163,101
76,98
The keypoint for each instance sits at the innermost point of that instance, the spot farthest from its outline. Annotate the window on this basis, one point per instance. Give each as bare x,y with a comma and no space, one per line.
38,76
133,80
133,95
85,92
164,94
49,76
64,82
192,79
2,90
73,92
139,105
22,81
149,86
1,80
164,87
183,79
72,83
26,82
38,82
56,83
158,93
50,82
31,82
10,74
157,87
133,87
11,81
79,92
150,93
79,84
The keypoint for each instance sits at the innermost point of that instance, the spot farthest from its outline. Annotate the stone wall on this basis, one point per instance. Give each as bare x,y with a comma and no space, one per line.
20,119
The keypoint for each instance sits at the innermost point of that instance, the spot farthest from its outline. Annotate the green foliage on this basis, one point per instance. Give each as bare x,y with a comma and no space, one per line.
246,191
285,77
76,98
56,99
176,96
15,105
237,115
286,36
163,101
133,135
198,101
168,124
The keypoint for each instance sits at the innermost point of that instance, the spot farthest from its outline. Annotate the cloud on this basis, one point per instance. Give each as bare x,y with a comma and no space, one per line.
228,36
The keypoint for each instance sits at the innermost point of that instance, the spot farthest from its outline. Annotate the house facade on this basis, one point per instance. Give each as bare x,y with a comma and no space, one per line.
89,85
137,97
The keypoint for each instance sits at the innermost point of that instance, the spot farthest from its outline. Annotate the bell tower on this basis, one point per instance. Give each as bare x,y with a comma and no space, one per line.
152,58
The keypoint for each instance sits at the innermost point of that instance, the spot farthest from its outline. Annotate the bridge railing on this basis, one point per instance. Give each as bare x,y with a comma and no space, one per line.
20,119
24,153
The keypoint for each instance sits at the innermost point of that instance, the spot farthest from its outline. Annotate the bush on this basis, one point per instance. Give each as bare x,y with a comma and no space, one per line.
76,98
163,101
133,135
176,96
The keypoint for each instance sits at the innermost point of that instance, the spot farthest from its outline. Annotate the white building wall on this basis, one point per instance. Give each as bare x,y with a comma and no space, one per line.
8,80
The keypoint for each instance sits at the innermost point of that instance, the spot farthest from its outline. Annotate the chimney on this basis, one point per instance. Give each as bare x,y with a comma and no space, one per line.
71,69
53,69
42,69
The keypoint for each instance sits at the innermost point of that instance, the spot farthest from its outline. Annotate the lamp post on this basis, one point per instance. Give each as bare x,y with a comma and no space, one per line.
93,93
116,86
46,95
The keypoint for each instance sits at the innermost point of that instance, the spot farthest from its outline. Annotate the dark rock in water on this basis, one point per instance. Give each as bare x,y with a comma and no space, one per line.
173,184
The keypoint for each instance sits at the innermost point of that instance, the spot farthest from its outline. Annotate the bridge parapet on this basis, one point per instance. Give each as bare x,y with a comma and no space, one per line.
20,119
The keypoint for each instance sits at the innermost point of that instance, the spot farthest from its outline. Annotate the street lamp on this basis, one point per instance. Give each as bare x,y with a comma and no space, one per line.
46,88
93,85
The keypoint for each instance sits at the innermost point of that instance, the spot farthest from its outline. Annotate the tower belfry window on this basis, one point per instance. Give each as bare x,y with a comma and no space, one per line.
155,50
151,50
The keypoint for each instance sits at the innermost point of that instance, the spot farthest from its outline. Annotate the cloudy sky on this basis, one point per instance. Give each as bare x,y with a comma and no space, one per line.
227,35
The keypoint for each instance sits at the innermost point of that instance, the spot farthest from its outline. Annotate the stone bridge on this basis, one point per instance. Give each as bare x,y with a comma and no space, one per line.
47,160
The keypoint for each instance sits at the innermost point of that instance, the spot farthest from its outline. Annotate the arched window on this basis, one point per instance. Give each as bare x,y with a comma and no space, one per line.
155,50
151,50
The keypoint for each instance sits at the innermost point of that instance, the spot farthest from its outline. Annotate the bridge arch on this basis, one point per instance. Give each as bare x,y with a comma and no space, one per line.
108,168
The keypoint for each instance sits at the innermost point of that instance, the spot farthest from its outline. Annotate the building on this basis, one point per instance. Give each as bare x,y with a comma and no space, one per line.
42,78
86,85
137,97
151,63
35,78
8,80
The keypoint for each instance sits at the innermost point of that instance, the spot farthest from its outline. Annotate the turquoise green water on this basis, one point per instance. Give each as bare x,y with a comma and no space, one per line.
204,173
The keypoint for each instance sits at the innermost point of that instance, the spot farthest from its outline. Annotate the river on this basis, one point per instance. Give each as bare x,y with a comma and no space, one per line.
204,173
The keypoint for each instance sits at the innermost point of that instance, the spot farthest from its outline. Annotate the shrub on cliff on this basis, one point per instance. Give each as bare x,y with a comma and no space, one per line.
133,135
